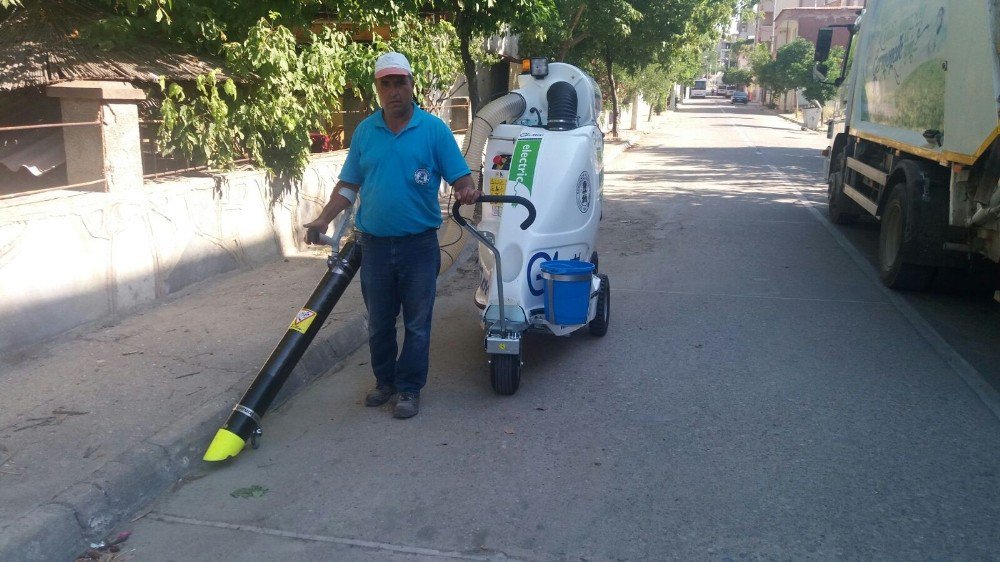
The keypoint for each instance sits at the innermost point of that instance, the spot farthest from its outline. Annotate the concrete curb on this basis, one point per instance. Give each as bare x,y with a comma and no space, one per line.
801,124
86,511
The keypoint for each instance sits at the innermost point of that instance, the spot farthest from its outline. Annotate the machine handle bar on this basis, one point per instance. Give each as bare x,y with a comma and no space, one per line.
498,199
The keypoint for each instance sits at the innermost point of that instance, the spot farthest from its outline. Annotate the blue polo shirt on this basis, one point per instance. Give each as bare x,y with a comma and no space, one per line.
399,174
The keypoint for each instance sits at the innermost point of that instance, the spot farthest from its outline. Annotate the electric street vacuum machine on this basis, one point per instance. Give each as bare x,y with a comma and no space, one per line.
544,151
543,146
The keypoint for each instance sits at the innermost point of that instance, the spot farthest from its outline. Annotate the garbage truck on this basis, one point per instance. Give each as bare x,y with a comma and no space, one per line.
918,147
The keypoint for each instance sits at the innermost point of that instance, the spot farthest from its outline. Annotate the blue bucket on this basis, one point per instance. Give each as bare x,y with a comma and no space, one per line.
567,291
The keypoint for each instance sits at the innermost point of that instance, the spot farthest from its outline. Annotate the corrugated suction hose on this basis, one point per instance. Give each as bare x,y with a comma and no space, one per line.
507,108
562,106
492,114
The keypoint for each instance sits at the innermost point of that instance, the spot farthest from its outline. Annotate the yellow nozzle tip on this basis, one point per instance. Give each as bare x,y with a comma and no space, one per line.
226,444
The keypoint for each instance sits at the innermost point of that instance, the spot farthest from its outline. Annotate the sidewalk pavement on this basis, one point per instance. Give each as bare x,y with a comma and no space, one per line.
97,423
794,118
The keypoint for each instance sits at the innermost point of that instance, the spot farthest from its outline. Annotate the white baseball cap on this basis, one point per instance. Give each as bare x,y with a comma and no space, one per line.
392,63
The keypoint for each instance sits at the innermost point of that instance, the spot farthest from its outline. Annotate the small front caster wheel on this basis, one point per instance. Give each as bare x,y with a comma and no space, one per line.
599,325
505,373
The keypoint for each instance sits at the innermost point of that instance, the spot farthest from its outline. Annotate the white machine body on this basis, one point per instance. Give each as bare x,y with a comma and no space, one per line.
562,173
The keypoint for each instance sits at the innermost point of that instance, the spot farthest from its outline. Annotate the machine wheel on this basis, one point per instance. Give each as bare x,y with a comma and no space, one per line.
896,238
505,373
594,260
599,325
840,208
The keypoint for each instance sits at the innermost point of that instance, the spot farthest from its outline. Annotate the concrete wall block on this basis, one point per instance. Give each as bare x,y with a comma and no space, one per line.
132,262
171,226
122,165
65,262
83,145
53,275
244,221
198,233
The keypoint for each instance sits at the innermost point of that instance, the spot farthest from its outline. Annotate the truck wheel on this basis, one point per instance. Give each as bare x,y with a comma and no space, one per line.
505,373
599,325
841,208
897,238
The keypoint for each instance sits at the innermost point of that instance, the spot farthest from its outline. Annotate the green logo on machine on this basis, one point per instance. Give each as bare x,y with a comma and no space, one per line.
522,168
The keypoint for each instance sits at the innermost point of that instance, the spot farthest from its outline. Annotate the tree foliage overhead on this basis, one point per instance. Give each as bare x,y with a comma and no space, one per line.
287,73
285,76
608,37
475,20
791,69
271,53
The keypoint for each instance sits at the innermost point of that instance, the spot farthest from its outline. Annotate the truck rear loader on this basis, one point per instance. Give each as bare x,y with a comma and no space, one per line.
918,148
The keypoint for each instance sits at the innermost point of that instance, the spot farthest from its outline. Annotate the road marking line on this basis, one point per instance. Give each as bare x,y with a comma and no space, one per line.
972,377
742,134
735,296
321,538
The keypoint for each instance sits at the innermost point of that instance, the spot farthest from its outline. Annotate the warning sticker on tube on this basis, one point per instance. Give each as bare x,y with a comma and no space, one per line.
303,320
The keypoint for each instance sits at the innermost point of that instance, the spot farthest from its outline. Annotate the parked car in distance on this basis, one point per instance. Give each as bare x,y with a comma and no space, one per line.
740,97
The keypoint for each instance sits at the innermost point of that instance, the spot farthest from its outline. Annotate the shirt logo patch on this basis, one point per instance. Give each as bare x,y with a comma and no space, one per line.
422,176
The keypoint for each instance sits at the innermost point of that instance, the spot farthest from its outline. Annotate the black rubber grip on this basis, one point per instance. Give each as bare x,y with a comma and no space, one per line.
498,199
312,236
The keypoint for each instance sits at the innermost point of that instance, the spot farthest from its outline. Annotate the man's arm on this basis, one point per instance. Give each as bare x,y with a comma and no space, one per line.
465,190
342,197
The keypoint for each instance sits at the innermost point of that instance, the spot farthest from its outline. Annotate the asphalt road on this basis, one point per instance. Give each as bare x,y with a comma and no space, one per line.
758,396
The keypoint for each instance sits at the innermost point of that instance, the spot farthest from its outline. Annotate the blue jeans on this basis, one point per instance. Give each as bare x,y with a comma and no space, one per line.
400,273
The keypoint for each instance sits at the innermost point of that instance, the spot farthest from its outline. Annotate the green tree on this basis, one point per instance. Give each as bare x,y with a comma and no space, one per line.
287,91
608,36
430,45
653,82
792,67
285,81
476,20
590,34
737,76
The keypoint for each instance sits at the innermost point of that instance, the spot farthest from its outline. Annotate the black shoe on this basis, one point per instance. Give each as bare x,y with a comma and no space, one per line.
379,396
407,405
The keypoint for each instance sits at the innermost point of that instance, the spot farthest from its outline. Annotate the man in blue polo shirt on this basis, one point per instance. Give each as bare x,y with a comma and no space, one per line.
397,159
